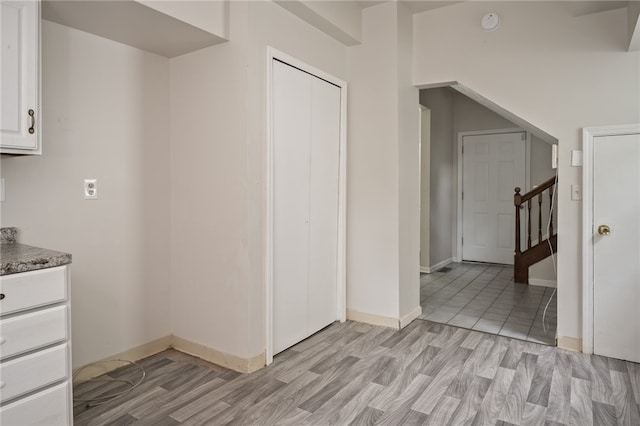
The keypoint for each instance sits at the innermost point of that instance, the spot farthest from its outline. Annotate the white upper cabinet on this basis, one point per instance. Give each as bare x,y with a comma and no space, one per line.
20,75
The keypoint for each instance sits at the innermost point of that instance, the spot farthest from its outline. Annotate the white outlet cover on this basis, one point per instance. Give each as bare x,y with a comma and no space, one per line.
90,189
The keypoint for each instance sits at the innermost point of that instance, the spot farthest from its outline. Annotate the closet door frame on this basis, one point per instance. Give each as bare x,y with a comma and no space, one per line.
341,296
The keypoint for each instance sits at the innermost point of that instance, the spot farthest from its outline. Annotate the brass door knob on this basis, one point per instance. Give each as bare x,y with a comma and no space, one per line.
604,230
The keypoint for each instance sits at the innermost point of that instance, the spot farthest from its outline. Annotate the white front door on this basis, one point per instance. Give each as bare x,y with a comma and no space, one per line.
306,142
493,165
616,248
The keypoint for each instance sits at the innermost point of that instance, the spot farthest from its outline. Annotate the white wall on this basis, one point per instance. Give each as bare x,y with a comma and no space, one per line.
372,170
218,138
587,80
209,259
409,170
383,176
106,115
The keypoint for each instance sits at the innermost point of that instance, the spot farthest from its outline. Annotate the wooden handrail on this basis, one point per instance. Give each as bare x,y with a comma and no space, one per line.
518,199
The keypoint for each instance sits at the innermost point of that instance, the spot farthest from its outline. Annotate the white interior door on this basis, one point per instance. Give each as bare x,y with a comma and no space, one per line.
306,140
493,165
323,204
616,256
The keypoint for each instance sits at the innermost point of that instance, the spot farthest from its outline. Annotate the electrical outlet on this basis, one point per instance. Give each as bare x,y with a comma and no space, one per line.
91,189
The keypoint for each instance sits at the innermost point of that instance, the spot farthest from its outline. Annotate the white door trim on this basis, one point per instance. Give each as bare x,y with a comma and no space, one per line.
457,256
588,136
341,296
425,198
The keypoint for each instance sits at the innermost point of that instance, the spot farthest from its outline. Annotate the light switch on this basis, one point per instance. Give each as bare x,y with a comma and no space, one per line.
576,192
576,158
1,189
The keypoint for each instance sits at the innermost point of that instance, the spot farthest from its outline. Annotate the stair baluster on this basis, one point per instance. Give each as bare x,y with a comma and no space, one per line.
543,248
529,224
539,217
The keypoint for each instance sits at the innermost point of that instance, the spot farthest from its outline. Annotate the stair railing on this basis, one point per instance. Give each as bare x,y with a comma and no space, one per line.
541,250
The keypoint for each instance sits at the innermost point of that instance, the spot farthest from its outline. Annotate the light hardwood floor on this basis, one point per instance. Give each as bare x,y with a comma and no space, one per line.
353,373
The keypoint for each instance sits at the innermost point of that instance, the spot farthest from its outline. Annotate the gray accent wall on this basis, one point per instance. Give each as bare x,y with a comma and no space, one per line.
441,170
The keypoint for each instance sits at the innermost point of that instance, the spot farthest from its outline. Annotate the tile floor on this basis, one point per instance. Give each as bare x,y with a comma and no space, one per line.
483,297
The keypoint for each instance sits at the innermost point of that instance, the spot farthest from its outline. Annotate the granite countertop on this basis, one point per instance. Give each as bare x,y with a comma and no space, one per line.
16,257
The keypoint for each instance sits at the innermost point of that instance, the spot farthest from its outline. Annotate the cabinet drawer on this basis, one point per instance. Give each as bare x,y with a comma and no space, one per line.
30,372
47,408
32,289
32,330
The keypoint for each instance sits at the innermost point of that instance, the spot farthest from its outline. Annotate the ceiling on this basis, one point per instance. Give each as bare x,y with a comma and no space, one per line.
419,6
576,8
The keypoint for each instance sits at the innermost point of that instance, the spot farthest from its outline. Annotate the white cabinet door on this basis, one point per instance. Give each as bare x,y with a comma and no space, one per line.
19,91
47,408
493,165
306,140
616,249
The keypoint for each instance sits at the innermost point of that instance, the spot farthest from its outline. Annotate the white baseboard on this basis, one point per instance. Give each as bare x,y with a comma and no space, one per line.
570,343
429,269
105,365
415,313
243,365
543,283
373,319
110,363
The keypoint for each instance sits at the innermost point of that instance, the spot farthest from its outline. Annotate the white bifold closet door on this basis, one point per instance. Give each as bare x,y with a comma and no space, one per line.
306,141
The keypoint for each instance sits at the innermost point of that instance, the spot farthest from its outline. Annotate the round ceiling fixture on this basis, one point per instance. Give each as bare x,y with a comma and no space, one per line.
490,21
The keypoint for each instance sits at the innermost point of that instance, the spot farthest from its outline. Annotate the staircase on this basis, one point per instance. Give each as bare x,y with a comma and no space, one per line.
542,249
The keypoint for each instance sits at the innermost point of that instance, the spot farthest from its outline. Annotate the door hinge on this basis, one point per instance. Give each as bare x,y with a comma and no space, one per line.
462,195
461,241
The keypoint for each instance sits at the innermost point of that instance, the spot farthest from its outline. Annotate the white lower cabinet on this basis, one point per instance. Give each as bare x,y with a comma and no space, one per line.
35,352
46,408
